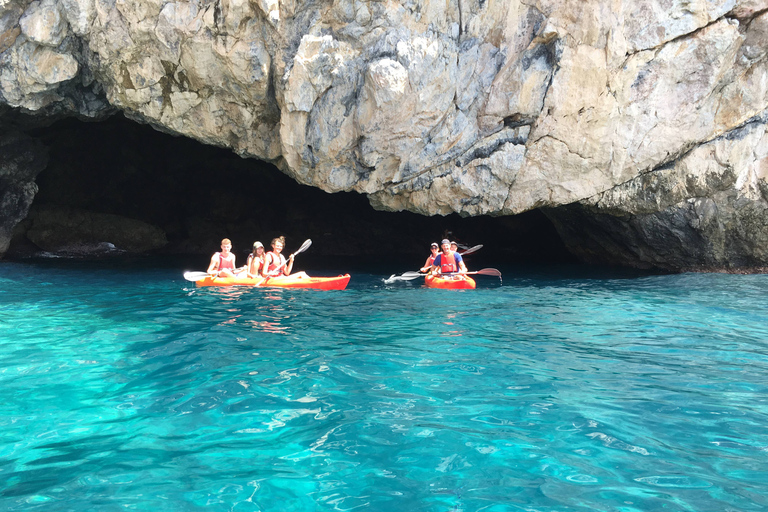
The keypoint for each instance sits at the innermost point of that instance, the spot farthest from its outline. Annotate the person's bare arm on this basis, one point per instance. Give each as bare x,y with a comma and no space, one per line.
214,266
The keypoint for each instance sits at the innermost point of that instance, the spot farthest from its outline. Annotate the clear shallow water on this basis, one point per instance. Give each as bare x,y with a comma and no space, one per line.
558,391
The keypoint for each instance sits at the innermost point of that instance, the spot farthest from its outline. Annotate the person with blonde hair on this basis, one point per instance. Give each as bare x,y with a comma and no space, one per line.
275,263
223,263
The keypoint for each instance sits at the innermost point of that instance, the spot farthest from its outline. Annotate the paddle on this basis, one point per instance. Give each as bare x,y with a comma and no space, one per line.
196,276
300,250
483,272
407,276
199,276
472,249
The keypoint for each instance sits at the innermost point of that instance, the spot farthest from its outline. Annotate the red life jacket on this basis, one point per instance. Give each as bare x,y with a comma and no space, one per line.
447,263
272,256
226,263
432,259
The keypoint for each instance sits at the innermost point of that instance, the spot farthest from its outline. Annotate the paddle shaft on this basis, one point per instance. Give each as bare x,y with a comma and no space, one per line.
199,276
483,272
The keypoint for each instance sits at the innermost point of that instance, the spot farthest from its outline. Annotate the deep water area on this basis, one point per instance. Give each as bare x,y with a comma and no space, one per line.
560,388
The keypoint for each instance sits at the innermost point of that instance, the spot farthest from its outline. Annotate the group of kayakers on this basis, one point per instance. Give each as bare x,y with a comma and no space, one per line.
447,261
259,264
273,263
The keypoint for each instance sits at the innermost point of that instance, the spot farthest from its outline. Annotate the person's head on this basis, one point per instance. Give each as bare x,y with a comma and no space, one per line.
446,245
434,247
454,246
278,243
226,245
258,248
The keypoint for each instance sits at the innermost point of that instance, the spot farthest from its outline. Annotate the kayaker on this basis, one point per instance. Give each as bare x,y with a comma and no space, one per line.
274,260
256,260
434,248
448,261
223,263
454,247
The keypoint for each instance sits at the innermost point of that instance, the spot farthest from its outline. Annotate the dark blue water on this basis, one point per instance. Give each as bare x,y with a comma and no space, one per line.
129,389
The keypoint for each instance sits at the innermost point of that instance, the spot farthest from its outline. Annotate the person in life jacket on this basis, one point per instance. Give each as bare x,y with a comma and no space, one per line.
256,260
223,263
448,261
434,248
274,262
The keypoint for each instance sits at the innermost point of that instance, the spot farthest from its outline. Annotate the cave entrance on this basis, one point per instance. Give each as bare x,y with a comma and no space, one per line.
197,194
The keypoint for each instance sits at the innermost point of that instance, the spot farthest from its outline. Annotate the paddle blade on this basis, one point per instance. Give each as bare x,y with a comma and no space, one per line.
195,276
472,249
407,276
303,247
489,272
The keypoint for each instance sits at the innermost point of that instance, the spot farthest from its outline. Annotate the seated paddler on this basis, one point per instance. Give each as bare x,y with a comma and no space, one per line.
448,261
223,262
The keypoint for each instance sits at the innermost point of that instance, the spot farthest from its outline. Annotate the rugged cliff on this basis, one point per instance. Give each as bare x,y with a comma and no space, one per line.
647,118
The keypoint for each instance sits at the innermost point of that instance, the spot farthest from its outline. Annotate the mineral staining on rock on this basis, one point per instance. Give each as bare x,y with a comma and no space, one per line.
471,106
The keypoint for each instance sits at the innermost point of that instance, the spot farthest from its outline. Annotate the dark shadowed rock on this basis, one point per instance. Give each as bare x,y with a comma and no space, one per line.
80,232
21,160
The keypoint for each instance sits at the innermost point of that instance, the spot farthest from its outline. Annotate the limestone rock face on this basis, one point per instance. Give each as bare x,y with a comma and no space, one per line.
708,209
470,106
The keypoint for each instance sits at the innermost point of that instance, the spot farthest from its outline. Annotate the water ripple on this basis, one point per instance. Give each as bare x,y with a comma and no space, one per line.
129,389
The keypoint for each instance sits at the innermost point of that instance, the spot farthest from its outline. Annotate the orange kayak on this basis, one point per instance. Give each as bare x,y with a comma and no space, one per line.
297,280
229,281
450,282
302,280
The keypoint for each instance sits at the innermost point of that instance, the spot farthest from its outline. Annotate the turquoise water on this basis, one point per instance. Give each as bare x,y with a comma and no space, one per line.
129,389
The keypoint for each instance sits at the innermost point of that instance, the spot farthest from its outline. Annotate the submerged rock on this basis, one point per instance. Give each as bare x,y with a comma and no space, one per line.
480,107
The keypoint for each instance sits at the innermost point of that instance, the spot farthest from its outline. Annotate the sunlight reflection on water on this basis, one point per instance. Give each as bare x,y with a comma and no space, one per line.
130,389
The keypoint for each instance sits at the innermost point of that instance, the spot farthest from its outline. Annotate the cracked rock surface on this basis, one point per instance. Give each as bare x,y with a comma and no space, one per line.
630,112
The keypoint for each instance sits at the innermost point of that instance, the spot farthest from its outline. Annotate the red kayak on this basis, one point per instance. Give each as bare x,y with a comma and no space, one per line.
297,280
456,282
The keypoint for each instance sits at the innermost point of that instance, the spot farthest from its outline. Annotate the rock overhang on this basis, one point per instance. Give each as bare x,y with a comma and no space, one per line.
475,108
